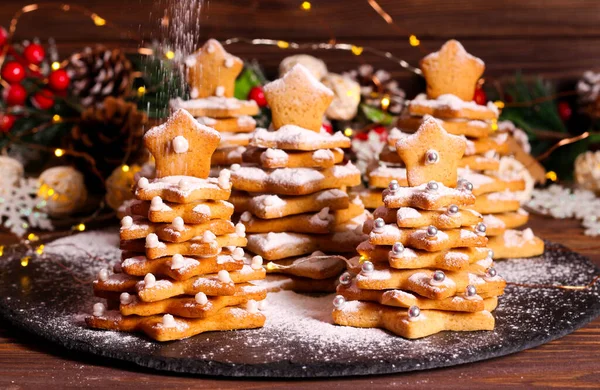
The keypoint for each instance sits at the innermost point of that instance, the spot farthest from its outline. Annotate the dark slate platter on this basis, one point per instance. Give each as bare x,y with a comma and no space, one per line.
50,298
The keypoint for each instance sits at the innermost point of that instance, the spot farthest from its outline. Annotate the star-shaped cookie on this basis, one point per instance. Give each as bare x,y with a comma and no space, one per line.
431,154
298,98
182,146
452,71
212,71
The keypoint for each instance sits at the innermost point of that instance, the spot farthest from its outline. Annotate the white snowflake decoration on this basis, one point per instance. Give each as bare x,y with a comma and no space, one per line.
560,203
20,208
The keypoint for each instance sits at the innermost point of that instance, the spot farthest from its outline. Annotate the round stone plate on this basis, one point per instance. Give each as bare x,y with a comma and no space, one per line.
52,295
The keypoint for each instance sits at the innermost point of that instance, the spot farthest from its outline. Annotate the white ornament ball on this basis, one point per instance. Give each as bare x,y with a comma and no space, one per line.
63,189
11,170
346,98
587,171
316,66
118,185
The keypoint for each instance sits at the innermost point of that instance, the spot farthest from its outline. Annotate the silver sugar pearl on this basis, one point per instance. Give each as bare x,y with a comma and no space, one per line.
398,248
470,291
432,157
414,312
491,254
432,186
394,186
491,272
481,228
367,267
439,276
339,301
345,279
431,231
379,223
453,209
465,185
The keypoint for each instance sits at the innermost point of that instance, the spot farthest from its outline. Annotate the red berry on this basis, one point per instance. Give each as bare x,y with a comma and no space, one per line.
564,111
3,36
7,122
363,136
258,95
328,128
34,53
59,80
13,72
480,97
14,95
43,100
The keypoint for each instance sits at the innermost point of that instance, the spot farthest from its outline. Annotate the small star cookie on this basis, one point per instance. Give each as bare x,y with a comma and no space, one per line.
212,71
298,98
182,146
431,154
452,71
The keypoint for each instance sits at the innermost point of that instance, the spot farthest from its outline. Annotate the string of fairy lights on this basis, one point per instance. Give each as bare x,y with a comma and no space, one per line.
35,244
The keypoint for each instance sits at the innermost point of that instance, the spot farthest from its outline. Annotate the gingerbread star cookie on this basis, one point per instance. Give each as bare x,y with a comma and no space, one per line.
431,154
173,142
298,98
212,71
452,71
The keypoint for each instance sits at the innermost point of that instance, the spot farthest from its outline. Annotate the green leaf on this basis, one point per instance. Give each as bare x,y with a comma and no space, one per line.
376,115
247,80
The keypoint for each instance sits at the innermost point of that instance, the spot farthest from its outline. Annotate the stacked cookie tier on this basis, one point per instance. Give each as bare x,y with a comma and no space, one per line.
484,165
292,199
211,74
184,270
425,267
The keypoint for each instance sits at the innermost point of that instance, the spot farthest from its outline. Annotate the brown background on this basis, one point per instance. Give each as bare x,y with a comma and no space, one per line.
556,38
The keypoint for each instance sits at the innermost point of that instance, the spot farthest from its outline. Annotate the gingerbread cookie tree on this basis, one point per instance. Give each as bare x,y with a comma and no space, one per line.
425,267
291,188
184,270
211,74
451,75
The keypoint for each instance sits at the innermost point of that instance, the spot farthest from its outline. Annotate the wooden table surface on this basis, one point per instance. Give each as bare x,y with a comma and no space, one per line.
573,361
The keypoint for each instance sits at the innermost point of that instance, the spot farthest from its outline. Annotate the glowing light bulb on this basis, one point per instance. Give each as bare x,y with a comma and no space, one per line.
551,175
356,50
306,5
98,21
170,55
414,41
283,44
59,152
348,132
125,168
55,65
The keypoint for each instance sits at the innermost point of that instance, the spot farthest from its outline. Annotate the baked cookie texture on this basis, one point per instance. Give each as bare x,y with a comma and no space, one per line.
290,189
426,266
211,74
500,183
184,270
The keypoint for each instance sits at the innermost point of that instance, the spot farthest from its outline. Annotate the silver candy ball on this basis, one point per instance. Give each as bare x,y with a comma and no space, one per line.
394,186
367,267
345,278
398,248
431,231
379,223
453,209
465,185
471,291
491,254
432,157
439,276
491,272
414,312
481,228
432,186
339,301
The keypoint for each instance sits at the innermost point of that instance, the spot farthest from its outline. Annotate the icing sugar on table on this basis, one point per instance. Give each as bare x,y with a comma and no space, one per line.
298,339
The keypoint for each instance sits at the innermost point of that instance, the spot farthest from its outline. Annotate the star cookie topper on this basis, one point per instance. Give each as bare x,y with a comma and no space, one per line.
298,98
212,71
181,146
431,154
452,70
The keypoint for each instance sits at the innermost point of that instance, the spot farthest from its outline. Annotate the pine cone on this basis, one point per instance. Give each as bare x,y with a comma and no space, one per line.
110,132
374,86
98,73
